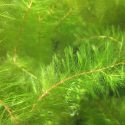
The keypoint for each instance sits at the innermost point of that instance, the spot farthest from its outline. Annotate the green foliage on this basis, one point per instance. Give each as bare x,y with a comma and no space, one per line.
33,25
103,12
41,83
90,78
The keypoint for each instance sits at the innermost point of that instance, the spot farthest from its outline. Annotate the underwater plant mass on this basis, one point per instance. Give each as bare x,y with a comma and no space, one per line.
62,62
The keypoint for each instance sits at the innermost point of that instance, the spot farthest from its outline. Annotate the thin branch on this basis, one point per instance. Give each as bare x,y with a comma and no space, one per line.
26,71
6,16
3,5
43,95
105,37
21,29
64,17
99,37
7,108
30,4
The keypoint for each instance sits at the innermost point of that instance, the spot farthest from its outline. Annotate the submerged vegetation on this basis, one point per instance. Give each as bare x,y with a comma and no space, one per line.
62,62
